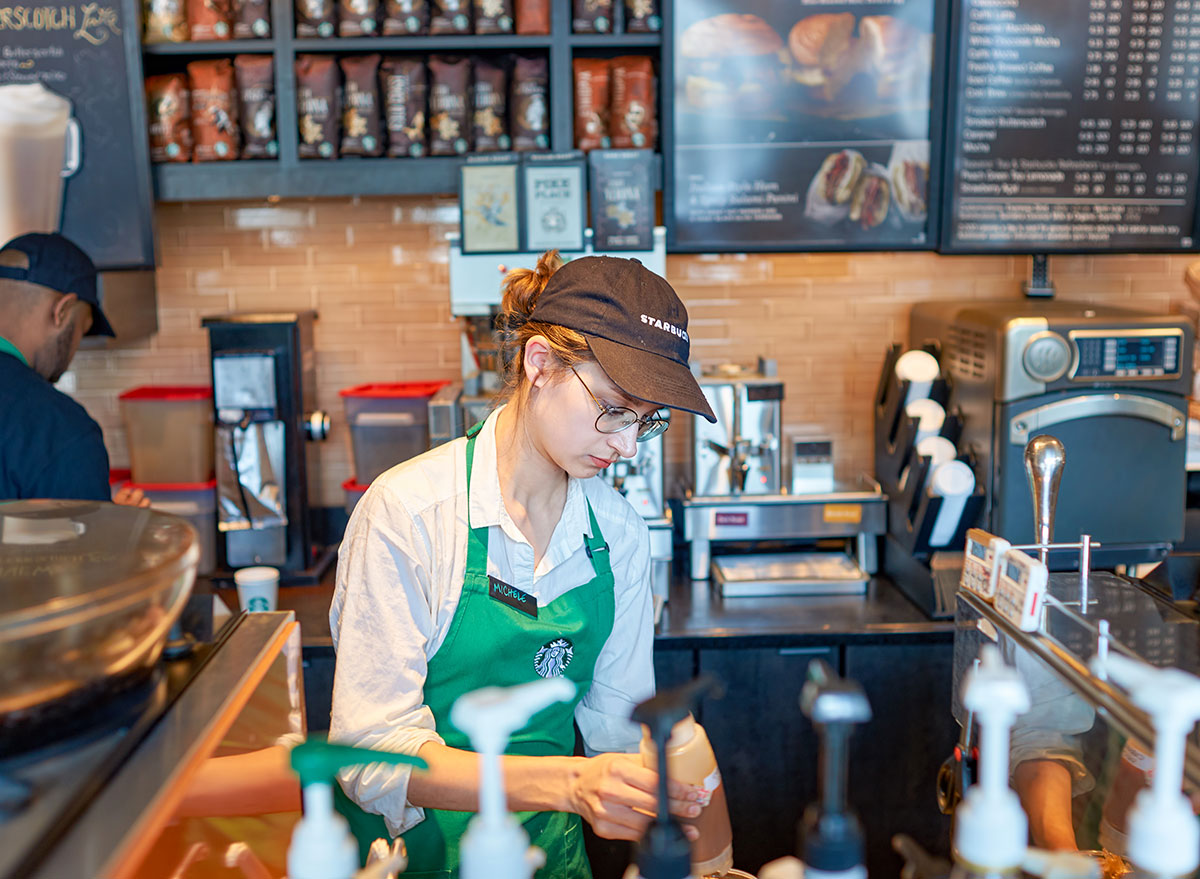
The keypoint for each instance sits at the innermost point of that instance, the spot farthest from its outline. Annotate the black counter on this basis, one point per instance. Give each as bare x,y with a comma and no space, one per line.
696,616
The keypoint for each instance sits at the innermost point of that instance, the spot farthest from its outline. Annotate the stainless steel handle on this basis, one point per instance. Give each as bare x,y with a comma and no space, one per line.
1094,405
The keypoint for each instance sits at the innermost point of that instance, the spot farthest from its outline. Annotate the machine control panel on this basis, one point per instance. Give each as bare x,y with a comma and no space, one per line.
981,568
1127,355
1020,590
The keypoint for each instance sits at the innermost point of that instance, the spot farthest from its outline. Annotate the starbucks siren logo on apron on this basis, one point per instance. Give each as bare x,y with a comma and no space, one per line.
553,657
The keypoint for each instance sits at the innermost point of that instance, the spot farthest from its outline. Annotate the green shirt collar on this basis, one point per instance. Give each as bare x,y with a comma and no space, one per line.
7,347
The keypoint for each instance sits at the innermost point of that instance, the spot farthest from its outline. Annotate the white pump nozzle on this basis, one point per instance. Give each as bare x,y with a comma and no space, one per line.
495,846
1164,833
990,827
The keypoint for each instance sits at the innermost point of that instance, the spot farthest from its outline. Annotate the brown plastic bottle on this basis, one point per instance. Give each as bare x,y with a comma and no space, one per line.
690,759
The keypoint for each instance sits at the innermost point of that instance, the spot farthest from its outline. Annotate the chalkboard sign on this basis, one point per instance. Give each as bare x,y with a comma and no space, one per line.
90,53
1072,126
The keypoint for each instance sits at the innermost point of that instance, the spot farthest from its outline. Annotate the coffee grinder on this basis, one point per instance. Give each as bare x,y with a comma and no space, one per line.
264,400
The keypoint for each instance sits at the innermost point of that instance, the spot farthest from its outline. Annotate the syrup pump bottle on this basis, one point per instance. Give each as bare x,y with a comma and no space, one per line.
664,852
322,846
831,838
495,845
831,835
1164,833
990,828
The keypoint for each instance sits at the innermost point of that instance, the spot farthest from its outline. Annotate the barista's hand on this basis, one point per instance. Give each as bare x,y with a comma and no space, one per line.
615,793
129,496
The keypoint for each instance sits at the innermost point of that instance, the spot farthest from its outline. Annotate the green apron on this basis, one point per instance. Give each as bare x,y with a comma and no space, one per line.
490,643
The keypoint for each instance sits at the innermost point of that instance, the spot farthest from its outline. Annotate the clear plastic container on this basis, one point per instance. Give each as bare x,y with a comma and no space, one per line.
170,433
389,423
90,592
354,492
197,503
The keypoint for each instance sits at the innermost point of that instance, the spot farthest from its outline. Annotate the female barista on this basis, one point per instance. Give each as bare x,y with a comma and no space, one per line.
496,559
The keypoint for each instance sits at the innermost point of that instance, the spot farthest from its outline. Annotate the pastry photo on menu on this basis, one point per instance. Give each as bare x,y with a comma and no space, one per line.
768,63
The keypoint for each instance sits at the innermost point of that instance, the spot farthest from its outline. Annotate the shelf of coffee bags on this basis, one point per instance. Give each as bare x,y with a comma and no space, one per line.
198,181
211,47
437,43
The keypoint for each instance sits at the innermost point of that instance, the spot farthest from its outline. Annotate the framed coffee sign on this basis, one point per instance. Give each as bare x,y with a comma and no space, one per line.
490,213
555,199
802,126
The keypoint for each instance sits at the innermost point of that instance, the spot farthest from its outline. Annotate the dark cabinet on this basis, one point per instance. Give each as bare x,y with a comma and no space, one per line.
766,748
895,757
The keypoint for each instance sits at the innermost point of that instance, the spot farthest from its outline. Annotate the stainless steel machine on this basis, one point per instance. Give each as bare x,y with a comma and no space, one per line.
1110,384
741,453
739,496
264,395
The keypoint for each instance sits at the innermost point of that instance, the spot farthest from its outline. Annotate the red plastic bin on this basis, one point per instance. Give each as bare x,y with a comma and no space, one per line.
169,429
389,423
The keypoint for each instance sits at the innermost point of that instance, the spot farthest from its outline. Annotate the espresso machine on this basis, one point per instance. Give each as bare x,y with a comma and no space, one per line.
264,399
642,481
738,495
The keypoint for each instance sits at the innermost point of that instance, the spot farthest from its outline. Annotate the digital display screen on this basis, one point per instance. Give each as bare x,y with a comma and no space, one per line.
1135,356
1013,571
977,549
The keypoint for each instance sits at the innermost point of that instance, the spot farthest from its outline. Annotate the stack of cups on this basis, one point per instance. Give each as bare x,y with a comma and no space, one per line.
919,369
954,482
257,588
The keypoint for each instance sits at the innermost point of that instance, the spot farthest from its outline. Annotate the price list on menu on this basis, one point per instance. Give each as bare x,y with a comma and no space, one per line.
1073,126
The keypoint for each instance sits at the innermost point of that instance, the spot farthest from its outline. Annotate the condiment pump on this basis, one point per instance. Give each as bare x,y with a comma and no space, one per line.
664,852
831,836
990,829
322,845
495,845
1164,833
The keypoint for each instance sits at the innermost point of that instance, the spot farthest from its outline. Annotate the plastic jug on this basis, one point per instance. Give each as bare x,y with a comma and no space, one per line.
39,146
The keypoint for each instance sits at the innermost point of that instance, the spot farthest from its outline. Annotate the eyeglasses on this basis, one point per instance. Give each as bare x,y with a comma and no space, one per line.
614,419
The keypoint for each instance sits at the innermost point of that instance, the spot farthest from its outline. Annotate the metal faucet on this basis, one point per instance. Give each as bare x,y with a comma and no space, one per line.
1044,461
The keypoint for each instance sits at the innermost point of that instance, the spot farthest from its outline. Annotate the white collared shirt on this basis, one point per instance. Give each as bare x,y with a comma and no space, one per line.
399,578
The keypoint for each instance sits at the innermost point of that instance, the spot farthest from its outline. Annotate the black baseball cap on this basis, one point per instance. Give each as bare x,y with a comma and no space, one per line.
55,262
635,324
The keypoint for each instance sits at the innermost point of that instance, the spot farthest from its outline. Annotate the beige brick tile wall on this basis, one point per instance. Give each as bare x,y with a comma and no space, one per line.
376,270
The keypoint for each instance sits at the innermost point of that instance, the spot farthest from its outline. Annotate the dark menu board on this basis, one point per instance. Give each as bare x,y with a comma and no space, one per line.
799,126
1073,125
84,51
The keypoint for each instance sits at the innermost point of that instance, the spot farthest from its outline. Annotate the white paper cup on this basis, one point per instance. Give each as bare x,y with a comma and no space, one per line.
919,369
257,588
938,449
930,417
954,483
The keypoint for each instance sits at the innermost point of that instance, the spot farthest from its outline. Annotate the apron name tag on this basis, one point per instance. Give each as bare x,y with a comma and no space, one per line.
512,596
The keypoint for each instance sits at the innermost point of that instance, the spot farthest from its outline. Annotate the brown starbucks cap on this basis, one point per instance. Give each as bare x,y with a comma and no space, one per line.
635,324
